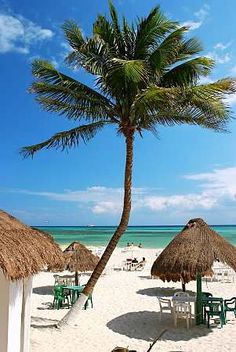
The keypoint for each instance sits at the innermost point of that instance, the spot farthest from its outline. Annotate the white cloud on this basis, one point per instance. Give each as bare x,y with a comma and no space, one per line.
66,47
203,12
188,201
221,182
219,54
107,207
216,190
231,99
219,58
205,80
233,70
17,34
91,195
222,46
200,15
55,62
192,24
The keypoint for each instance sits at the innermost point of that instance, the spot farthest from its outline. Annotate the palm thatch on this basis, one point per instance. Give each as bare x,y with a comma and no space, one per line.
79,258
193,251
25,251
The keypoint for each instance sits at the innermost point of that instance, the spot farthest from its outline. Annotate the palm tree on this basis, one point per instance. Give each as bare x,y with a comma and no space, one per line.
146,74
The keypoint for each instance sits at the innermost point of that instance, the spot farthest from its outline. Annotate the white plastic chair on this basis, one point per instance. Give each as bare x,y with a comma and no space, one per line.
227,275
56,277
165,305
217,276
70,281
182,310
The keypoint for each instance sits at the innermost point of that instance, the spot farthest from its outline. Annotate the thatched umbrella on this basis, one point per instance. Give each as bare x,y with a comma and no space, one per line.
25,251
79,258
191,254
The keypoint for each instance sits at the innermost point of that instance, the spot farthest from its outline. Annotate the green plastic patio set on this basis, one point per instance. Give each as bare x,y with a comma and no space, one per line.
67,296
217,308
210,308
67,288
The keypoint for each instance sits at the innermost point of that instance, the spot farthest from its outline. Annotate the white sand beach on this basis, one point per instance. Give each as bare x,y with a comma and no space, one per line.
126,313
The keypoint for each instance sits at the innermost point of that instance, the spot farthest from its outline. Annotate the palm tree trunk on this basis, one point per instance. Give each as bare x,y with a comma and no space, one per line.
72,316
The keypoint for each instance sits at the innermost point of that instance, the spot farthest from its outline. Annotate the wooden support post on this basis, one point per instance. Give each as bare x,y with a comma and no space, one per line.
199,312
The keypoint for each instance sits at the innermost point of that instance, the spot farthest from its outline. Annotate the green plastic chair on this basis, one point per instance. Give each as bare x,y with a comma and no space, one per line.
213,307
230,306
206,295
60,297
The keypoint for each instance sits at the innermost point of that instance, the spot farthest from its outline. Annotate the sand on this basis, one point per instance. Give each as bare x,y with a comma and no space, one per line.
126,313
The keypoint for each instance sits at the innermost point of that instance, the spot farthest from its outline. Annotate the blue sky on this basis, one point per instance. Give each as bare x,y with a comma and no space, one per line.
187,172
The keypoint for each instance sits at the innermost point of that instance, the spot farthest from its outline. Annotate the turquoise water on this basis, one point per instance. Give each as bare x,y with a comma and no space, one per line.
149,236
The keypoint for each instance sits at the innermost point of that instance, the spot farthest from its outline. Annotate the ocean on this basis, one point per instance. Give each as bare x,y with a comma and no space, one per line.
148,236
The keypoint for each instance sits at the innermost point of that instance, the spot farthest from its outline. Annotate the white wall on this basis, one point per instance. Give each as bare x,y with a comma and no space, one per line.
14,314
4,304
14,317
26,314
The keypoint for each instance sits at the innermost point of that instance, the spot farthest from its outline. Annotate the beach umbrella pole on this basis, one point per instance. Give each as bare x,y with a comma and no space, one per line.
76,278
199,317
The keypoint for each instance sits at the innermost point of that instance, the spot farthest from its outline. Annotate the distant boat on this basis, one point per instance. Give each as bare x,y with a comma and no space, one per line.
90,225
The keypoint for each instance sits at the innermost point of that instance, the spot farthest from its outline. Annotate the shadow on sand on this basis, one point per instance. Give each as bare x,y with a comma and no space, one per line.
148,277
43,290
40,323
162,291
145,325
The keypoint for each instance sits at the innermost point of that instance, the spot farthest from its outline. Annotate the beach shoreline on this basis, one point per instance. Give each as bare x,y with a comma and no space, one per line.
149,236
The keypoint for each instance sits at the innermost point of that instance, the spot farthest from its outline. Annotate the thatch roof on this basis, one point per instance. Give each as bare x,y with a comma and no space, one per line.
191,252
25,251
79,258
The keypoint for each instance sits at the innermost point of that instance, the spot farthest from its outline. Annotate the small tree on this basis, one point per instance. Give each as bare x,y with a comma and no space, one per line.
146,74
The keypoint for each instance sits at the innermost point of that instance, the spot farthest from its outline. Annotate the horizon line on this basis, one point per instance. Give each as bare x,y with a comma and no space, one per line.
89,226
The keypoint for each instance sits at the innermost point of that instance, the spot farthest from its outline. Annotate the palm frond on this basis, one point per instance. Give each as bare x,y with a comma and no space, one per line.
189,48
219,88
188,72
118,37
66,139
167,51
150,31
60,93
123,79
173,49
73,34
129,70
103,29
146,73
200,105
129,38
93,56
